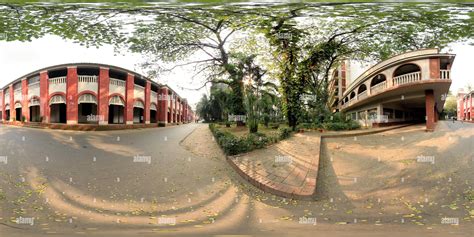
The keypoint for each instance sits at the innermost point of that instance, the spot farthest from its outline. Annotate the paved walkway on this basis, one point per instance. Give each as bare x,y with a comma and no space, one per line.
288,168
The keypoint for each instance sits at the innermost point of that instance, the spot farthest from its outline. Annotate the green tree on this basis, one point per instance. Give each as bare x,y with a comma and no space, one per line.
450,105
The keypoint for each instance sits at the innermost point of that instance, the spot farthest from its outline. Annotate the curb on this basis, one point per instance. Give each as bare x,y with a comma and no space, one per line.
263,185
363,133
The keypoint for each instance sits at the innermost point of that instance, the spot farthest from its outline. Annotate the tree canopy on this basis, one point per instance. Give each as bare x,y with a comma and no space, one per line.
295,44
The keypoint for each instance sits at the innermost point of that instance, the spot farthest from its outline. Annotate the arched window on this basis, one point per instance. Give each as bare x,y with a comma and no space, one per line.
116,100
406,69
362,88
377,80
57,99
138,104
87,98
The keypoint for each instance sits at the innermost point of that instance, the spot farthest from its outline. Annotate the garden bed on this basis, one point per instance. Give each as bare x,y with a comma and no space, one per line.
236,140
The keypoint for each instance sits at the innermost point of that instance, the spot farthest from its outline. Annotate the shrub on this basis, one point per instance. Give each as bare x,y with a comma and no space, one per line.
284,133
274,125
230,144
353,125
252,125
233,145
336,126
23,118
257,140
305,126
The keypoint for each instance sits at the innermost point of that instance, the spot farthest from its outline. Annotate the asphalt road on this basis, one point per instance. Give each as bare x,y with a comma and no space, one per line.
143,182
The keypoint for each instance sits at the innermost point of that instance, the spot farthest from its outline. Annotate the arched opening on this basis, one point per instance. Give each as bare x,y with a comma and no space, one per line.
7,112
18,113
153,113
378,79
353,94
34,106
406,69
87,109
57,106
116,110
406,74
138,109
362,88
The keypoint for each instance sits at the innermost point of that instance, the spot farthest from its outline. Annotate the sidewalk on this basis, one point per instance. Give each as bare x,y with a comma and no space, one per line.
290,168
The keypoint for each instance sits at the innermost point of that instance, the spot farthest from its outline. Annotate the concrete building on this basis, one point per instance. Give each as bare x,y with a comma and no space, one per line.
465,106
89,93
410,87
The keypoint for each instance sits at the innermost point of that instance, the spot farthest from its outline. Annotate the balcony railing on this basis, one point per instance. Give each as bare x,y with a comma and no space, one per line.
378,88
117,82
444,74
57,80
362,95
139,89
407,78
87,79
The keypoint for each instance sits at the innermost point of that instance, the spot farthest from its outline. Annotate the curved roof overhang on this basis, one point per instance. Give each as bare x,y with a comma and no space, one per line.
395,61
439,86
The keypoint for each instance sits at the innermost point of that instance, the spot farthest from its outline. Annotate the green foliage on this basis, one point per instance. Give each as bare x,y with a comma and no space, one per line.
450,106
338,126
233,145
302,42
274,125
266,119
284,133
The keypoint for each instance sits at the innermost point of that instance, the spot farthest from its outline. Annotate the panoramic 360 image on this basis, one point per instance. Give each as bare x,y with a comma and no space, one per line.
236,118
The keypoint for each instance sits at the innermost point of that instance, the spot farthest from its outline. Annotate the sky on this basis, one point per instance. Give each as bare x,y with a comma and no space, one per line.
20,58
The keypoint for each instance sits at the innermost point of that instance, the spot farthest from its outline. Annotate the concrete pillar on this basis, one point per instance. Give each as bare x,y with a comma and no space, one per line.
379,113
103,100
25,110
3,106
176,108
44,96
185,111
12,104
470,104
163,106
147,102
434,68
71,95
172,106
130,99
430,110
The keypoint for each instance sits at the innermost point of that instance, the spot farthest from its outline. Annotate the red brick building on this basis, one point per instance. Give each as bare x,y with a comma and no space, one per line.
409,87
465,106
88,93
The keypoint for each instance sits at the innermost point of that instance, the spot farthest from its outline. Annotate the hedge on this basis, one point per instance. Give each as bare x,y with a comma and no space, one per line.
233,145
